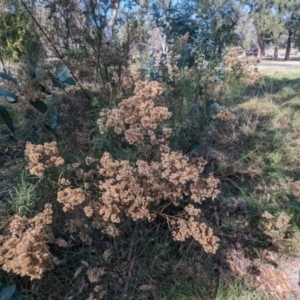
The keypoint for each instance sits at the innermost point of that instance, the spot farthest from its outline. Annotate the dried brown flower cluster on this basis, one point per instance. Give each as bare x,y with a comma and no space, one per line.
203,234
138,109
246,70
252,76
85,237
124,83
24,249
277,227
191,226
225,115
138,117
70,197
233,62
95,273
42,157
224,128
133,191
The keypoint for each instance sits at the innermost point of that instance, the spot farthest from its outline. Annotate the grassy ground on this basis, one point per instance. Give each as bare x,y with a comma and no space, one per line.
256,216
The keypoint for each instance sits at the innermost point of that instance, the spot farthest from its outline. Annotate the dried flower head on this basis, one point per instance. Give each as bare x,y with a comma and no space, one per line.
24,249
61,243
247,70
70,197
138,117
85,238
42,157
95,273
203,234
135,190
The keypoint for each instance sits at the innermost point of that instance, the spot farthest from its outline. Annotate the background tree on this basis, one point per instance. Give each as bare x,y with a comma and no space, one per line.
17,35
291,19
297,34
246,32
221,18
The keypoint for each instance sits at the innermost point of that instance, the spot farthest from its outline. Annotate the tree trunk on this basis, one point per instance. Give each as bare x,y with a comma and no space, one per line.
261,50
288,45
220,49
108,30
276,51
261,47
2,61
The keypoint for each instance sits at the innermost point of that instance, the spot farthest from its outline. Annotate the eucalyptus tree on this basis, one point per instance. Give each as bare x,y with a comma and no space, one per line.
221,19
262,12
291,19
272,19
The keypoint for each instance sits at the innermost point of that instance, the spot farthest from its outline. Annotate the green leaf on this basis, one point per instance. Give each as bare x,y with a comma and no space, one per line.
56,82
39,105
8,77
9,96
6,293
8,121
63,74
70,81
85,263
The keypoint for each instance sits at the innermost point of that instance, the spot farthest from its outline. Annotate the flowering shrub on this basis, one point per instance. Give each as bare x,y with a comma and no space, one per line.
134,190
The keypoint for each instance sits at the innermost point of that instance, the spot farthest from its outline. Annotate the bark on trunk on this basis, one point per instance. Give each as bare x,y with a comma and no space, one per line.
261,48
108,30
259,52
276,52
288,46
220,49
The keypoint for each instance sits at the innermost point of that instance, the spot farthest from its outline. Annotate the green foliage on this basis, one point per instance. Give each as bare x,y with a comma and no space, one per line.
62,77
23,199
7,119
59,80
8,95
8,77
39,105
210,30
16,38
